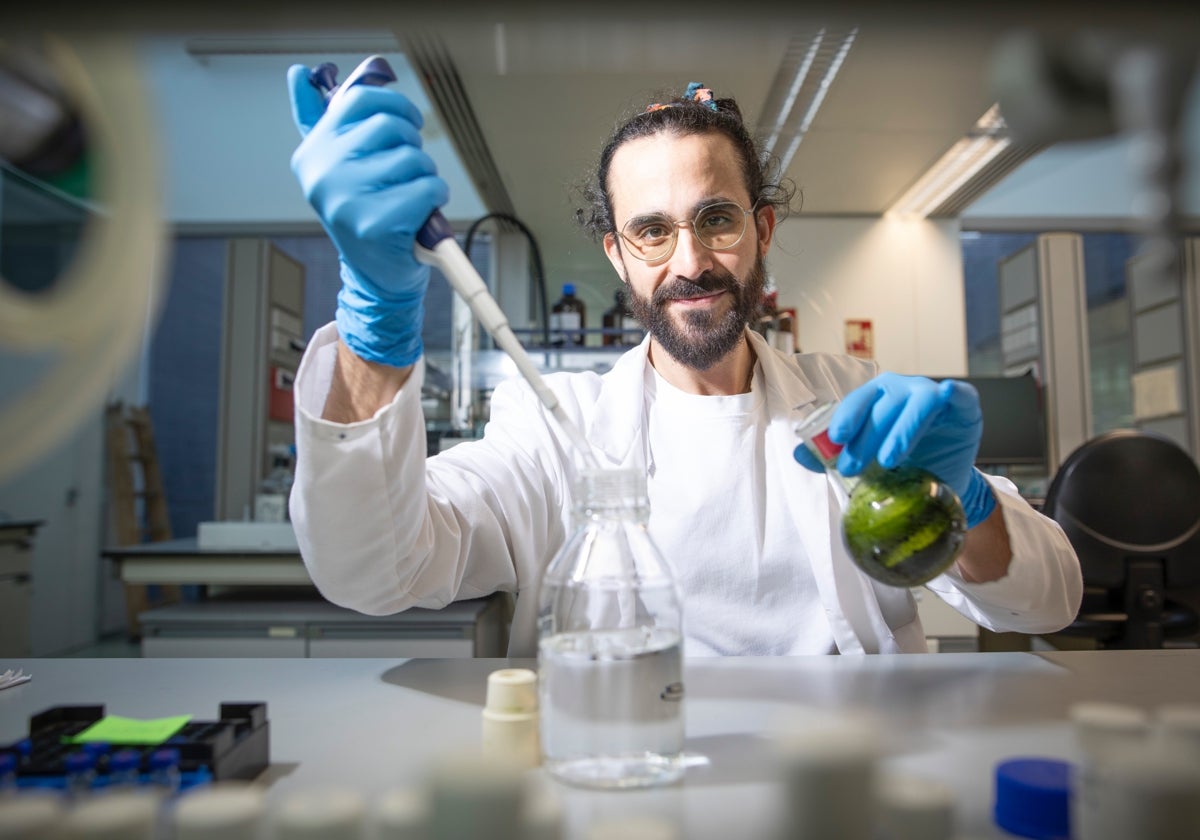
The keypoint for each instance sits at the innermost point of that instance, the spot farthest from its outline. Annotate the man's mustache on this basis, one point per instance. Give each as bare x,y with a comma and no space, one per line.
708,283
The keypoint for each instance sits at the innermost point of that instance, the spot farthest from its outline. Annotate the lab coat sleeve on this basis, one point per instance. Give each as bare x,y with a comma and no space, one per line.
1041,592
382,529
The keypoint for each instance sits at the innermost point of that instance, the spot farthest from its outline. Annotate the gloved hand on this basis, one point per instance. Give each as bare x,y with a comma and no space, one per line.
896,420
362,169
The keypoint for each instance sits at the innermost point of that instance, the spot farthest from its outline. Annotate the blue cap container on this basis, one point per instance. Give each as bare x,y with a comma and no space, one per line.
1033,798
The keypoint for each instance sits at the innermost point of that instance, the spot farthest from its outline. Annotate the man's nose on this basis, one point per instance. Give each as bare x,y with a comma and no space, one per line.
690,258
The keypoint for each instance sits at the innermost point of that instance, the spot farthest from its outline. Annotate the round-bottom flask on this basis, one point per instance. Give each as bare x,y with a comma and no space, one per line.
610,645
902,526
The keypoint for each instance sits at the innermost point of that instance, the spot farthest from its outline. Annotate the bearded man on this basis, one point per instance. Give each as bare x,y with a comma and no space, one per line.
685,209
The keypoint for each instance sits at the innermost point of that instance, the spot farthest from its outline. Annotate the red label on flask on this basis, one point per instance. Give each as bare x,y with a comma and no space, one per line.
828,449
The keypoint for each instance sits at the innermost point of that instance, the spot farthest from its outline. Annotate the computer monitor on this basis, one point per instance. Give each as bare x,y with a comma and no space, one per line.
1129,502
1014,420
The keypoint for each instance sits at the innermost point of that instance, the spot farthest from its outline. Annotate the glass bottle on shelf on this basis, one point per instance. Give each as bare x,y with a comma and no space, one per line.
568,318
617,322
902,526
610,645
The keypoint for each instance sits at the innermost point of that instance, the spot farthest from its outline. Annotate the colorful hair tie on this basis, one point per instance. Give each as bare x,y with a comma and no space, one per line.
696,92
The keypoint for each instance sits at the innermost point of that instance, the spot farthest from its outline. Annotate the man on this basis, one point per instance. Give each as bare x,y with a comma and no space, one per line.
703,406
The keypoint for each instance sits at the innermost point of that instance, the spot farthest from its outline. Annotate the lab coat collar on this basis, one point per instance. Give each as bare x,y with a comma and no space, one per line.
617,421
811,499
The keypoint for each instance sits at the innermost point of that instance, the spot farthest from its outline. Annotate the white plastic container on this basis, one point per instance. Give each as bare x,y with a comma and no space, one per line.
221,812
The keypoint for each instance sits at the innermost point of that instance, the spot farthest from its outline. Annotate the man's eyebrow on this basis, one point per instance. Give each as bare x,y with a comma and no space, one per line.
707,201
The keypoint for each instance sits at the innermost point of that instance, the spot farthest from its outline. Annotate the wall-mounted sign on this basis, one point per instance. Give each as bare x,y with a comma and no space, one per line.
860,338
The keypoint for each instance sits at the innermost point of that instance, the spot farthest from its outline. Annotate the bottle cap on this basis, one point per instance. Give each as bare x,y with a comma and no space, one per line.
1180,718
1177,732
8,763
227,811
634,828
510,719
512,691
114,816
825,770
916,809
401,814
1109,732
568,289
474,796
544,818
318,814
1033,798
29,817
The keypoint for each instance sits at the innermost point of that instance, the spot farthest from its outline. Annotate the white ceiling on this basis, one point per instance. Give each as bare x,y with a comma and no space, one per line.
548,93
548,82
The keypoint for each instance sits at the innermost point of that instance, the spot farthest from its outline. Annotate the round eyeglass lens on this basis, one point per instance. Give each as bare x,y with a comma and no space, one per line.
718,226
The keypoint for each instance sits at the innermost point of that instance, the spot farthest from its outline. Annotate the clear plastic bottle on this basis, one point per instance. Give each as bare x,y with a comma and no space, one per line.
609,650
902,526
568,317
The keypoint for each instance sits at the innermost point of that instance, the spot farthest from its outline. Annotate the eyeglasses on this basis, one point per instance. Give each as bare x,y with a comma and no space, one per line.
718,227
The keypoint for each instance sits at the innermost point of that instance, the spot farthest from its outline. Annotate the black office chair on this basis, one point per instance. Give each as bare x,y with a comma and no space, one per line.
1129,502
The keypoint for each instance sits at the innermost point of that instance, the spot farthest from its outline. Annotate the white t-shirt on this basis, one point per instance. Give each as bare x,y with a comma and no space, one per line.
717,512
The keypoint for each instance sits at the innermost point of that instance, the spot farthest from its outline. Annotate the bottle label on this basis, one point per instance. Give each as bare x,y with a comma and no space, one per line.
564,324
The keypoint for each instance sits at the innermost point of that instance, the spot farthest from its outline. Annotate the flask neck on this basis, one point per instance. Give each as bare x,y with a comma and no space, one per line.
612,494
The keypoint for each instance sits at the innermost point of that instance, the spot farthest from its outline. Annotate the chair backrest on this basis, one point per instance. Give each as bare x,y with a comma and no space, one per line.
1128,495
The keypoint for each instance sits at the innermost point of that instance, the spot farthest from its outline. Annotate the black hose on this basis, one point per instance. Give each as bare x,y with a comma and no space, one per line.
539,272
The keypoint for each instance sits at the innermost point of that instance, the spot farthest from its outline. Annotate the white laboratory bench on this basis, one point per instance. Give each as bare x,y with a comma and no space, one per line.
270,608
376,724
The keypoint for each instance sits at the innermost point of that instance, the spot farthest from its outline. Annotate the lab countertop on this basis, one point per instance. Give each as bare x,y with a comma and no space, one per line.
376,724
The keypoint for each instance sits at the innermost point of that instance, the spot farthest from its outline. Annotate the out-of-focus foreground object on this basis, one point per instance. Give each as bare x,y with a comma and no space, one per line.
1093,84
75,132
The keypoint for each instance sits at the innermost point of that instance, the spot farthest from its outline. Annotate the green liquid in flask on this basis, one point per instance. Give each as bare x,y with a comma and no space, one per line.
902,526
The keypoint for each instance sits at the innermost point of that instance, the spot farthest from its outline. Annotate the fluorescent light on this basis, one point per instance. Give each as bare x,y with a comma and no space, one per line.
822,54
956,168
822,91
806,64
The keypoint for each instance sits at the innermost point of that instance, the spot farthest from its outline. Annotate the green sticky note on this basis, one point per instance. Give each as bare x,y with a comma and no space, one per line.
114,729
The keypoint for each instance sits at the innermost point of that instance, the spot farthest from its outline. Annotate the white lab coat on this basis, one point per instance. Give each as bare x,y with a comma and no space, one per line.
382,529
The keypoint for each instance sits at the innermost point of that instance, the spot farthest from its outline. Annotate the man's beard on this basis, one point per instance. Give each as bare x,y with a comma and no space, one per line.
704,338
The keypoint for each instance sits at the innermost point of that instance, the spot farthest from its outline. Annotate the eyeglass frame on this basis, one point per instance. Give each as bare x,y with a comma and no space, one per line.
677,223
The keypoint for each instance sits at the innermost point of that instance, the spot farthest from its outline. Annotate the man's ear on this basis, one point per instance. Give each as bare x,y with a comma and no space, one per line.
765,220
612,250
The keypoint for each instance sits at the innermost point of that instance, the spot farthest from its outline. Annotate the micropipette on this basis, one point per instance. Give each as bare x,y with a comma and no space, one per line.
437,246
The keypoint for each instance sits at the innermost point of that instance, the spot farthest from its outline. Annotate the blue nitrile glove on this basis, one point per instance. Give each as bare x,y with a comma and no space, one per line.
362,169
896,420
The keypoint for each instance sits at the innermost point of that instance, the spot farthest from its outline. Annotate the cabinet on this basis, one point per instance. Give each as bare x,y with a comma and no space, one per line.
262,342
16,574
282,627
